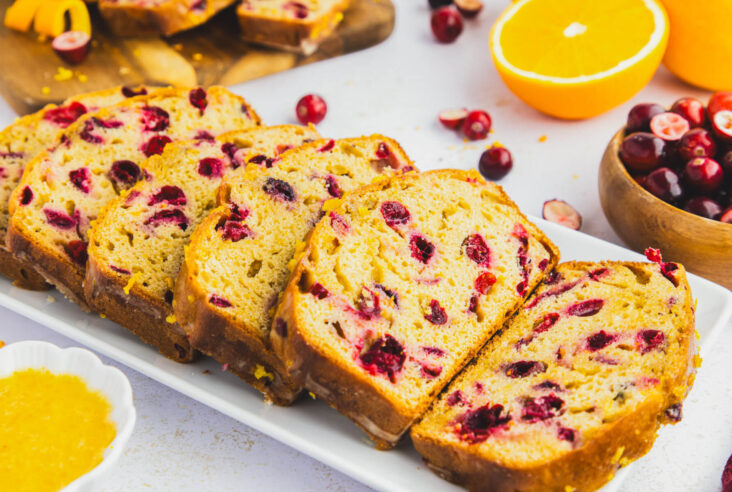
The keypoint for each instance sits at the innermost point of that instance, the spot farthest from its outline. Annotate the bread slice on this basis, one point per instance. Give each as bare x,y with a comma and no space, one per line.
97,157
134,260
158,17
293,25
23,140
398,287
574,387
237,262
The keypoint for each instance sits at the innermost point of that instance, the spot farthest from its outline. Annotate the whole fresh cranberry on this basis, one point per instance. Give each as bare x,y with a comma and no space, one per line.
495,163
703,174
447,24
642,152
692,109
704,207
311,109
696,143
665,184
718,102
726,216
639,117
726,163
722,125
477,125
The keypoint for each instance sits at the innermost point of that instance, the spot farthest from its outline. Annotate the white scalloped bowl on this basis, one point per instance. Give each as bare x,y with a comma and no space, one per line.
110,381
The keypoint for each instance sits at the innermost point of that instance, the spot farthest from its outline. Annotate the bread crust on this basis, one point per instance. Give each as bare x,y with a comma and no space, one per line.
22,274
167,19
143,315
300,36
588,467
341,386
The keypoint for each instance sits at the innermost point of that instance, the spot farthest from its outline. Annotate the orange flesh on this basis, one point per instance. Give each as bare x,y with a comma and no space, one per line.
53,429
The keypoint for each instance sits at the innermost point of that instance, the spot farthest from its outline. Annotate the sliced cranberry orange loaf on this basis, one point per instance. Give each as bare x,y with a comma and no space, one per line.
398,287
63,189
574,387
237,262
295,25
158,17
136,244
23,140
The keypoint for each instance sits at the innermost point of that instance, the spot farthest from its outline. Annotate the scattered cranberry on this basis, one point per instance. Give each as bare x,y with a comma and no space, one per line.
586,308
477,250
524,368
639,117
726,216
155,119
172,195
727,476
211,167
197,98
704,207
447,24
669,126
665,184
437,314
219,301
421,248
26,196
394,213
692,110
599,340
331,185
124,173
72,46
718,102
484,282
477,425
647,340
542,408
155,145
311,109
495,163
722,125
81,179
77,251
385,356
279,189
453,118
63,116
169,216
703,174
477,125
469,8
562,213
641,152
696,143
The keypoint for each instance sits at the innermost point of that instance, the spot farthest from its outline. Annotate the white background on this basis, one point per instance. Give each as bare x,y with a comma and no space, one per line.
397,89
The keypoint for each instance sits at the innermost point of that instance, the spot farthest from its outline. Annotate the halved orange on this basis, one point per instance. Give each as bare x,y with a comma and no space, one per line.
578,58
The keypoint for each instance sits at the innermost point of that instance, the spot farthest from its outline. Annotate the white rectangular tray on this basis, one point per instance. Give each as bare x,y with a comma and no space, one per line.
310,426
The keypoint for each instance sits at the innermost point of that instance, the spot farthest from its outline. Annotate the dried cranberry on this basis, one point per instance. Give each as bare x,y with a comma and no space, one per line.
81,179
130,92
123,271
430,372
124,173
421,248
279,189
26,196
395,213
586,308
328,146
383,151
63,116
599,340
219,301
319,291
172,195
473,304
384,356
477,250
77,251
477,425
566,434
524,368
155,119
331,184
596,275
155,145
197,98
211,167
484,282
542,408
62,220
172,216
647,340
437,314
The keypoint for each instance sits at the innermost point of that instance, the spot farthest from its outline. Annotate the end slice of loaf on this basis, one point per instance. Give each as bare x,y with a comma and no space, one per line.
398,287
158,17
238,259
22,141
293,25
97,157
135,257
574,387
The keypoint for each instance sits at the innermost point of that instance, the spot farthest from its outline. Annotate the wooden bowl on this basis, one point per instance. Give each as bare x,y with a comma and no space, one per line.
702,245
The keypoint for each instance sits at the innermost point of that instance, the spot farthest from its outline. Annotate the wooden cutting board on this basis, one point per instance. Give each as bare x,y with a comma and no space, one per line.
210,54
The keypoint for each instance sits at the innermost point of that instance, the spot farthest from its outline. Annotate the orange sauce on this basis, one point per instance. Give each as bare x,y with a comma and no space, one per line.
53,429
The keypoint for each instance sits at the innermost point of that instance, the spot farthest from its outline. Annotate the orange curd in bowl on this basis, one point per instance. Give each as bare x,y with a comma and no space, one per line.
53,429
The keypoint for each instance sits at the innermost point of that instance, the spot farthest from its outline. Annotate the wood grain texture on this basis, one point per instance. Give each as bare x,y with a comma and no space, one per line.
702,245
207,55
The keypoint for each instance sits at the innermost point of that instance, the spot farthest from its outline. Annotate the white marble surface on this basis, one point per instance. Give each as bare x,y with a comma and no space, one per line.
397,89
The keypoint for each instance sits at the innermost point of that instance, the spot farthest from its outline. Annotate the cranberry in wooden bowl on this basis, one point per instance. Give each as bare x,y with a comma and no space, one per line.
669,186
